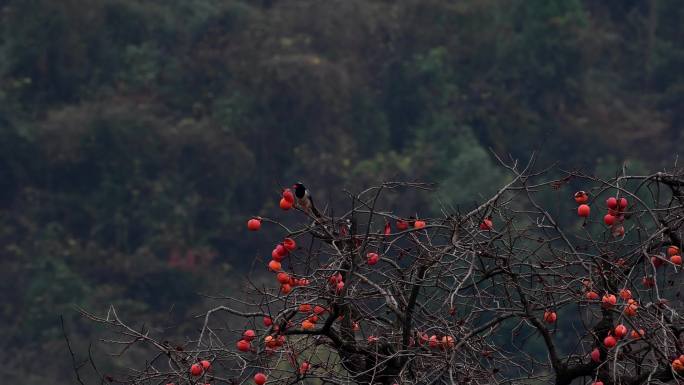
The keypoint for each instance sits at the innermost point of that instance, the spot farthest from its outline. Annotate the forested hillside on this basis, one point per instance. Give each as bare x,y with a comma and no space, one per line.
137,137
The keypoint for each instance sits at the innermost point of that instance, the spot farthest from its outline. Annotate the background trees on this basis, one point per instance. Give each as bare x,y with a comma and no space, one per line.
136,137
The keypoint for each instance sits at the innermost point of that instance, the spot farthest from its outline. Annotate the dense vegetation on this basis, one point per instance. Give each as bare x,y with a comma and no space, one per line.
137,137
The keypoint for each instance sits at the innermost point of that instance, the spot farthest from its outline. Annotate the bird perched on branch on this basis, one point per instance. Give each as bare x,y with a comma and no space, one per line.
330,233
304,200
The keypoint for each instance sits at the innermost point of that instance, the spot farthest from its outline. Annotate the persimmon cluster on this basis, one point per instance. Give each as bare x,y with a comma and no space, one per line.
380,298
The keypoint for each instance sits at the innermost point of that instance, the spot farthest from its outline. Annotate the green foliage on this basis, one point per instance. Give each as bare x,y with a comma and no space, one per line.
466,170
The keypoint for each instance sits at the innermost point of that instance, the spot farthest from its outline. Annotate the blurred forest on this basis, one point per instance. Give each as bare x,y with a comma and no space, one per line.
137,137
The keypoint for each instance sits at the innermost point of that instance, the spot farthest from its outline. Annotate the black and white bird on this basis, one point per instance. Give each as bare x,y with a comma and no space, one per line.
305,200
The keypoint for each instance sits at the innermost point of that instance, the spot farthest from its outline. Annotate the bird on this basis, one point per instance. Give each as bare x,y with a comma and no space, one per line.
305,200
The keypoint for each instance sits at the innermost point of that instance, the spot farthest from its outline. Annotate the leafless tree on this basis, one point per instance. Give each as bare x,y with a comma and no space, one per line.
518,290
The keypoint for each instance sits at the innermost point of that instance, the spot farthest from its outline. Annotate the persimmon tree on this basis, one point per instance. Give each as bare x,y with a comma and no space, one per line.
529,286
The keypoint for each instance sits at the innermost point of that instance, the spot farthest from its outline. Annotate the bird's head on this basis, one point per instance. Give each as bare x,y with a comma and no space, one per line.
299,190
